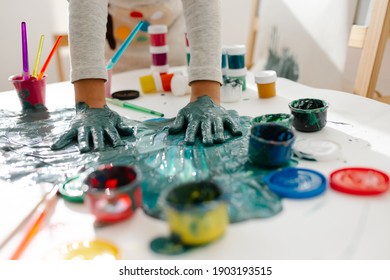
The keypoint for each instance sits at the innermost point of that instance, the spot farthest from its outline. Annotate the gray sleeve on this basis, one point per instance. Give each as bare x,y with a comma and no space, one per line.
87,31
203,22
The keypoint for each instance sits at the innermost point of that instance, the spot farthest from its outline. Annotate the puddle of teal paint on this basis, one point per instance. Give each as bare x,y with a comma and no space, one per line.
164,160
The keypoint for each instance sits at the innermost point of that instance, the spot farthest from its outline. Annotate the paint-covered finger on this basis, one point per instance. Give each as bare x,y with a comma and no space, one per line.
178,124
97,138
219,137
233,127
114,137
124,129
192,130
64,140
83,135
207,137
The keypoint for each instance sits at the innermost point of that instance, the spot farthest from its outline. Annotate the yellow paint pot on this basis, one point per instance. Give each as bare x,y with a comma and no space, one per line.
197,212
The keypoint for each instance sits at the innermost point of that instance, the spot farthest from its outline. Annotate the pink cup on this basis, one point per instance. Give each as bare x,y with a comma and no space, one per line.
107,84
31,92
157,35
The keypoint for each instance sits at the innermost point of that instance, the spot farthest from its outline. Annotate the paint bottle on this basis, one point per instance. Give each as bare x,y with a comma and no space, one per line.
151,83
159,59
179,85
156,82
235,56
157,35
237,74
265,81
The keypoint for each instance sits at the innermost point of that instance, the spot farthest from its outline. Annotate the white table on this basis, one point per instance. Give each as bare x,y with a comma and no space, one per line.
331,226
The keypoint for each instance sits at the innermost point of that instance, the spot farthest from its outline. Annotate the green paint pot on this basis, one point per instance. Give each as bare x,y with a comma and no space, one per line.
281,119
197,212
309,114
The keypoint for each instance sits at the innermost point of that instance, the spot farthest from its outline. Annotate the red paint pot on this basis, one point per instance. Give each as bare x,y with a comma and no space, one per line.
113,193
157,35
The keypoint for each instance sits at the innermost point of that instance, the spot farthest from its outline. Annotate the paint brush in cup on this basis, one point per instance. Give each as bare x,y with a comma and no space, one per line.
123,47
38,57
40,75
26,74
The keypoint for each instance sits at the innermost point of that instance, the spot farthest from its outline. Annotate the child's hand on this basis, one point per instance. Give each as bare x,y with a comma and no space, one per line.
94,125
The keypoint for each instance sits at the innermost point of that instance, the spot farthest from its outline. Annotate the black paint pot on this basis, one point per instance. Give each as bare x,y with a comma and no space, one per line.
309,114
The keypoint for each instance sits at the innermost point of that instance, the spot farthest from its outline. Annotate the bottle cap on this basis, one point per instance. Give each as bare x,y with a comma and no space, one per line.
316,149
235,49
126,94
236,72
72,190
294,182
157,29
265,77
160,68
359,181
179,85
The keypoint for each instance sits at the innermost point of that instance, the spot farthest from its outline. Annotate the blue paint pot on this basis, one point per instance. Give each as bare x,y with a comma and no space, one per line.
236,56
309,114
270,145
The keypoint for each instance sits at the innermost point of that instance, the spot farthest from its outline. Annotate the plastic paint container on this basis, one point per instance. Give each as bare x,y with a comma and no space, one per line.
151,83
265,81
159,55
196,212
235,56
157,35
280,118
309,114
231,91
238,74
179,85
166,81
270,145
113,193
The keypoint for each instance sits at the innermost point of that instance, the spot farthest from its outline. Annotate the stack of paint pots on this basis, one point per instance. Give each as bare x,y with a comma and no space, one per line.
236,63
159,48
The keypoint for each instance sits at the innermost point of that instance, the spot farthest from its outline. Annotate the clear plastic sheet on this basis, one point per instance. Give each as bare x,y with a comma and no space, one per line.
164,160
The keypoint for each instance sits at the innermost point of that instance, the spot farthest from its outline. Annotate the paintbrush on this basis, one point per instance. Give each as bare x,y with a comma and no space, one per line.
35,221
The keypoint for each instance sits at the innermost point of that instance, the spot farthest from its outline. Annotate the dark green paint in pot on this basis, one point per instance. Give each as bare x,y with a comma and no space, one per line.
281,118
309,114
270,145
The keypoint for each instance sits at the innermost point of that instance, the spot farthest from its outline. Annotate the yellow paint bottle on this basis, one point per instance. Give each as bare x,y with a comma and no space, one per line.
265,81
